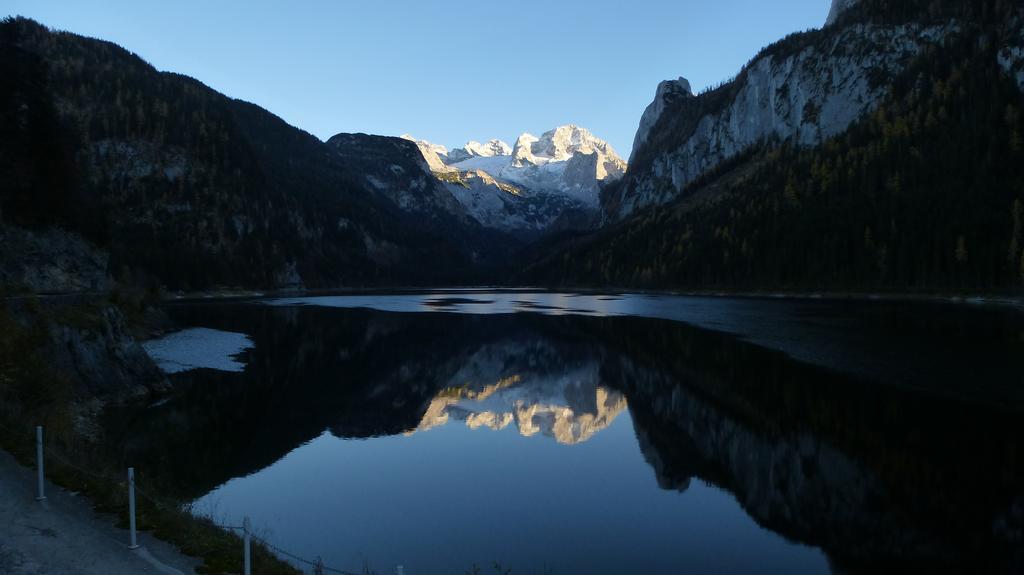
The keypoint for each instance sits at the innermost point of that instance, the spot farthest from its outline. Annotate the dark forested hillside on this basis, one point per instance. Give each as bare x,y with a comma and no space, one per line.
925,193
188,188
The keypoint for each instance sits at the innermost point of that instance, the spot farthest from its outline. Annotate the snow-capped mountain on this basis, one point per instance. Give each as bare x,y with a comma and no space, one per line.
474,149
568,160
537,185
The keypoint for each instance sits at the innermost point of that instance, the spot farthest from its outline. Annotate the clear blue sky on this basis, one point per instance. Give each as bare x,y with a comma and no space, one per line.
447,71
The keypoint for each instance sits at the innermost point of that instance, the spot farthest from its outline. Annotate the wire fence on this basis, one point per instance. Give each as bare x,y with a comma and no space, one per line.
317,566
54,454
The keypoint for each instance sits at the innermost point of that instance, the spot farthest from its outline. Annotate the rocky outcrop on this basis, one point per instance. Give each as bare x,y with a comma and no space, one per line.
805,90
100,355
87,342
51,260
668,94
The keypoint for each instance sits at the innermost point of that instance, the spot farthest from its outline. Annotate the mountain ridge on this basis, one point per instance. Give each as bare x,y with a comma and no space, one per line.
187,188
920,189
812,157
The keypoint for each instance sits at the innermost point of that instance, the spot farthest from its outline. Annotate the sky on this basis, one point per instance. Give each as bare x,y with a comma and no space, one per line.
448,72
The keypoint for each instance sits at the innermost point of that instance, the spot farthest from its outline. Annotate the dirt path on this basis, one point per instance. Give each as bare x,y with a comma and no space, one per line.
64,536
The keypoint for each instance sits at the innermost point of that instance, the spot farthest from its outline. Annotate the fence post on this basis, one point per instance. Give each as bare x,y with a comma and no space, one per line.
41,495
131,508
247,554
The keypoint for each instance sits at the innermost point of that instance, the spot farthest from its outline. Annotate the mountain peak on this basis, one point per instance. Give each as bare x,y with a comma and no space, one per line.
474,149
668,92
490,149
559,145
435,155
546,181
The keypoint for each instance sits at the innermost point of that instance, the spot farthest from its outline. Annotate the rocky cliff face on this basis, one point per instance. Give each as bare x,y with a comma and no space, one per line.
877,135
668,95
51,261
102,357
805,92
87,343
435,155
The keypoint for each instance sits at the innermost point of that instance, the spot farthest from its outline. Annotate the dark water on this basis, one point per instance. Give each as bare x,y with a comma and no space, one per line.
607,434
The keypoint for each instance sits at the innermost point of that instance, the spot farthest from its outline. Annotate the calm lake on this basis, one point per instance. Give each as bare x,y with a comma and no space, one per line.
599,434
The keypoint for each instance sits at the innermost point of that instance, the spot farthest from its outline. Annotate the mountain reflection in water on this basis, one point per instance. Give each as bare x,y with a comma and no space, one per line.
878,477
526,384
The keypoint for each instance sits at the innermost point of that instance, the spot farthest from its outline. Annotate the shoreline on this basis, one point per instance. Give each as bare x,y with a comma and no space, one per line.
1011,300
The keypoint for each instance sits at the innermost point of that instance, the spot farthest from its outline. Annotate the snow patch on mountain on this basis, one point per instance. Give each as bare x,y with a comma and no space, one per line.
506,207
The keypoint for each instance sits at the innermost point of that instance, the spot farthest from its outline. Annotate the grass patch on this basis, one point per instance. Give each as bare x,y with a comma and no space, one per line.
454,177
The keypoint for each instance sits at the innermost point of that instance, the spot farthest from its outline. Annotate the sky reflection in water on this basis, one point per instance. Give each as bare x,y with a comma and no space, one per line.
602,442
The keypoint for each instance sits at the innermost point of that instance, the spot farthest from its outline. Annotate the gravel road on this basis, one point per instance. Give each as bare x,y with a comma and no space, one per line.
64,536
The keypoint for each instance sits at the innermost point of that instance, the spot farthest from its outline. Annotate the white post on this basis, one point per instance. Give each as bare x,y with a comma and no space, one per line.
41,495
248,553
131,508
400,570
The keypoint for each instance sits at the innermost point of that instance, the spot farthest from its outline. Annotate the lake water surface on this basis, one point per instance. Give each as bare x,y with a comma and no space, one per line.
601,434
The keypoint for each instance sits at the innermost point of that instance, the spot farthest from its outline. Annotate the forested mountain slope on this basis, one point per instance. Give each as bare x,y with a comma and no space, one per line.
190,189
925,189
